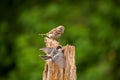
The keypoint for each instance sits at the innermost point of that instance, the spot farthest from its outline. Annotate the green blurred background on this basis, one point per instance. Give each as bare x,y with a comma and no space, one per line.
92,26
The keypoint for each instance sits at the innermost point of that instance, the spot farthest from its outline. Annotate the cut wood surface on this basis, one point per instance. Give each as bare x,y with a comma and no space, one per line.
52,71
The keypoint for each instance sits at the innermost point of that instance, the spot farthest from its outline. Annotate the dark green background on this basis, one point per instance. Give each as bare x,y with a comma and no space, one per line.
92,26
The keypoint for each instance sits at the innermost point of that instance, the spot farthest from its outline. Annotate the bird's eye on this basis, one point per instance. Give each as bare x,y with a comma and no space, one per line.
58,47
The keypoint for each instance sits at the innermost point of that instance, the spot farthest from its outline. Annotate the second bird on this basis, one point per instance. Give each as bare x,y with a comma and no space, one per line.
55,33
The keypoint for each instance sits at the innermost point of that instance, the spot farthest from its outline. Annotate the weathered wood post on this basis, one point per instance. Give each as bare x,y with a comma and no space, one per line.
52,71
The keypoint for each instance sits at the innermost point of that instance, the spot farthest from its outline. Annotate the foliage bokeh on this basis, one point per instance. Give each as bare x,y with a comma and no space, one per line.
92,26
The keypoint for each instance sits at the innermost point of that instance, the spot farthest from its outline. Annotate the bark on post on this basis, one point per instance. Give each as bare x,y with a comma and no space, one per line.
52,71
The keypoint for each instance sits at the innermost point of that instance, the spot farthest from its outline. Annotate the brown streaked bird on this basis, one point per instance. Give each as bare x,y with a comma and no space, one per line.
55,33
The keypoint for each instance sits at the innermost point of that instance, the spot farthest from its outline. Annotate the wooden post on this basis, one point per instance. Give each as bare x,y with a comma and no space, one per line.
52,71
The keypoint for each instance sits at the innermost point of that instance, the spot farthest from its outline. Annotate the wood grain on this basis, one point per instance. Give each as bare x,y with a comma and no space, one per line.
52,71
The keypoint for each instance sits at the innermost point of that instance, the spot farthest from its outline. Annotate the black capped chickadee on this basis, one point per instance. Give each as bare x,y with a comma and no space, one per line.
55,55
55,33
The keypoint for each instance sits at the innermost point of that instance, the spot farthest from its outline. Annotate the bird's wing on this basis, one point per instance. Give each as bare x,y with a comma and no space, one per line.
59,60
47,50
45,57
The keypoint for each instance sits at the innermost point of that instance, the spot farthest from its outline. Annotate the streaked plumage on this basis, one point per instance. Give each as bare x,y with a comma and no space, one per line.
55,33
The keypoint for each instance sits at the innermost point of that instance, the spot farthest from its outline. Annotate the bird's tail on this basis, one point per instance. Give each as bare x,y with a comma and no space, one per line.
42,34
45,57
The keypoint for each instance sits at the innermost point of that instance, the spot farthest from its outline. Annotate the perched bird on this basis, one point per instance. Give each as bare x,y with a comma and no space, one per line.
55,33
56,56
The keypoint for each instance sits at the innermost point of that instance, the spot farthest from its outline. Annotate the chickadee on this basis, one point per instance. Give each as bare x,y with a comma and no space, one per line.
55,33
56,56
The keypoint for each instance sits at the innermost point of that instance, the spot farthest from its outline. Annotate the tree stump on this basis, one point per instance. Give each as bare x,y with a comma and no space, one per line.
52,71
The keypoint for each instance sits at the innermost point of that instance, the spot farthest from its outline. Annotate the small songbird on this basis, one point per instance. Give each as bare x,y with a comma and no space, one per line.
56,55
55,33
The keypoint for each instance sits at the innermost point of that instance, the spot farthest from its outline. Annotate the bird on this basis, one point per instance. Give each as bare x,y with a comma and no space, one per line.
55,33
56,56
